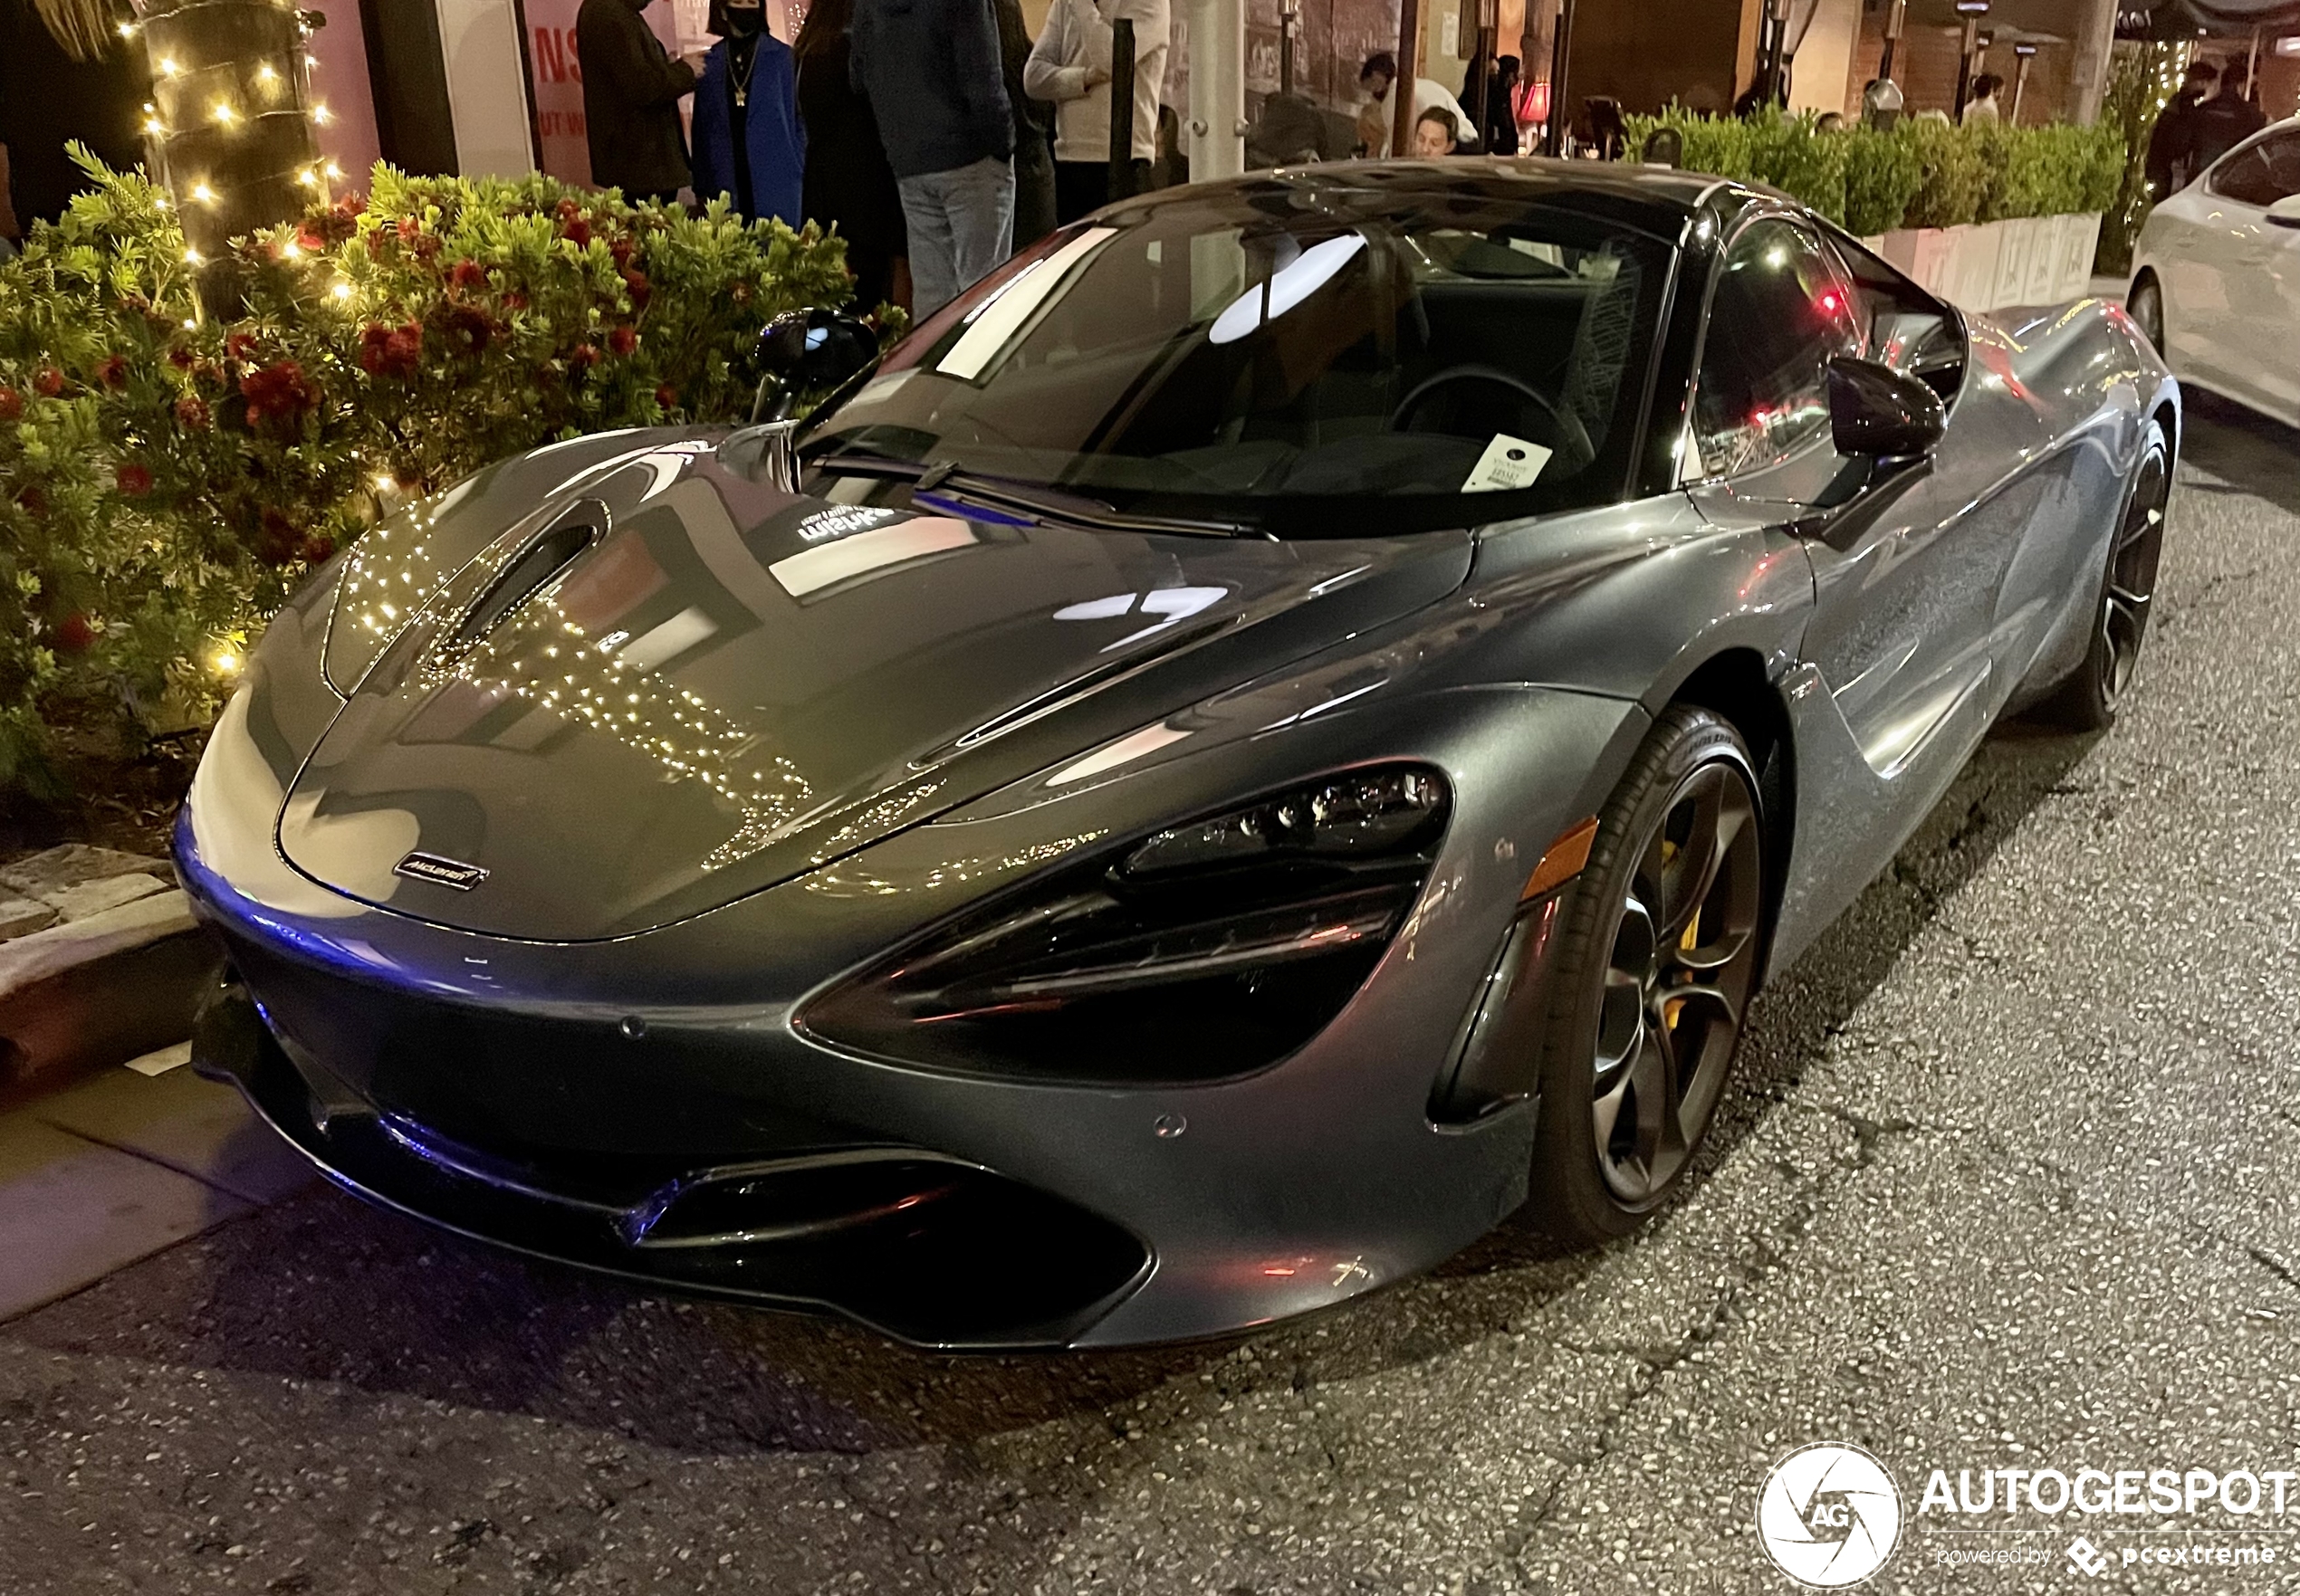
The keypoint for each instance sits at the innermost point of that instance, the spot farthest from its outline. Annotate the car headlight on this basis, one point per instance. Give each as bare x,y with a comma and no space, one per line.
1205,951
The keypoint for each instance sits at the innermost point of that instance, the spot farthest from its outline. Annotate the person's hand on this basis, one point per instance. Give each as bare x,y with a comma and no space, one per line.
693,58
1095,76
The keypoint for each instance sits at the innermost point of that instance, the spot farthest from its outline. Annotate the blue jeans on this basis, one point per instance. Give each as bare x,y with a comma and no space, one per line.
962,229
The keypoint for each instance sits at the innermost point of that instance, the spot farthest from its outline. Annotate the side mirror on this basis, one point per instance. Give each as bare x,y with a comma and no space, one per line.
2286,212
1879,414
809,351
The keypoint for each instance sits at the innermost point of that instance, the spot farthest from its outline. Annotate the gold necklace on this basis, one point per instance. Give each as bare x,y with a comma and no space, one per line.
742,84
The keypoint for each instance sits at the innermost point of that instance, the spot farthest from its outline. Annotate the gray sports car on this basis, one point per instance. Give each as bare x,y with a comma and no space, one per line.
1280,730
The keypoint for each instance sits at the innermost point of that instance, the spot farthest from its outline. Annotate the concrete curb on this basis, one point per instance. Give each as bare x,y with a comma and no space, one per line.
113,969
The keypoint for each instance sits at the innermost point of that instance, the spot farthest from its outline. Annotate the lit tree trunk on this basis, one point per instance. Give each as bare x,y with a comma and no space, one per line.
231,128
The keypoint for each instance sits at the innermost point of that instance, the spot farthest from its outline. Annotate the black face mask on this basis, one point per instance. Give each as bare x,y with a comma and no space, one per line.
745,21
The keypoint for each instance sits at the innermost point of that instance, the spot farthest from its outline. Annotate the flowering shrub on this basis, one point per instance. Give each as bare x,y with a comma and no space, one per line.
167,477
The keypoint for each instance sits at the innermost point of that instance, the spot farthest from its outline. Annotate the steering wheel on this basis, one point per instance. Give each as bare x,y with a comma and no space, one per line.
1567,437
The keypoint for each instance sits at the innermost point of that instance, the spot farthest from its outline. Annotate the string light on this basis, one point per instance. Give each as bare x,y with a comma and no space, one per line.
341,291
224,114
168,67
204,194
226,662
267,73
192,257
321,115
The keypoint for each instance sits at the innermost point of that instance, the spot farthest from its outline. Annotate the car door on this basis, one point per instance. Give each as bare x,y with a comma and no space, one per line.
2260,352
2233,305
1899,626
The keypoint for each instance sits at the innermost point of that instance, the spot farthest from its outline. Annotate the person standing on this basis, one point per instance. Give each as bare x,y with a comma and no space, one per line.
1034,208
1982,108
931,71
2172,143
748,144
850,186
631,93
2224,122
1502,109
1070,65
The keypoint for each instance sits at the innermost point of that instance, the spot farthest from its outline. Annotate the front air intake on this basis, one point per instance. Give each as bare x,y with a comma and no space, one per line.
528,573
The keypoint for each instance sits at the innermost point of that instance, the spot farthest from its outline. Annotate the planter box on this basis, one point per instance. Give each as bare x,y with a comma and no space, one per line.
2032,261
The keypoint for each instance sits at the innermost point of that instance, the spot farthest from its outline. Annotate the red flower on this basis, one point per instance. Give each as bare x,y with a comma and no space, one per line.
239,345
582,357
576,230
622,340
317,550
11,405
48,382
278,392
34,501
514,300
339,222
425,246
468,275
390,351
621,251
740,294
408,228
469,329
181,358
281,540
667,397
641,290
135,480
74,635
569,210
192,414
113,372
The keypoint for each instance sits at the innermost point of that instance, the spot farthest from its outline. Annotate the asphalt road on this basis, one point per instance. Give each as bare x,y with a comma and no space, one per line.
2006,1181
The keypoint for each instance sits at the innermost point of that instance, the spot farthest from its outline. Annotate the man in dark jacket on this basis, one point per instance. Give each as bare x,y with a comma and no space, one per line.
2171,146
631,93
931,71
1033,125
2225,120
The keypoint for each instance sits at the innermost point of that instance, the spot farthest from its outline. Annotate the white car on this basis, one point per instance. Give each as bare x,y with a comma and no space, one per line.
2216,275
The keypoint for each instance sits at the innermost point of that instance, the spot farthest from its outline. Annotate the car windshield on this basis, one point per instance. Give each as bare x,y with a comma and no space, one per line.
1300,360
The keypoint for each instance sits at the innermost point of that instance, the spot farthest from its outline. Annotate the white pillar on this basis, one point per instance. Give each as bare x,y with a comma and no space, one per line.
1217,125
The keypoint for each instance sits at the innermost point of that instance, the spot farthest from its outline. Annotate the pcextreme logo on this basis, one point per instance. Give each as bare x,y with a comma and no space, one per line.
1829,1516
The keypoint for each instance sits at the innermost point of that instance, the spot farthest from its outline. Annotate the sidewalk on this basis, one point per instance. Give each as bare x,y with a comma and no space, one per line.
100,1174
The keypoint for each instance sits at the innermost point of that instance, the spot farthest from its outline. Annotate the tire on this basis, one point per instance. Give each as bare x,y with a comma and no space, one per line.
2087,700
1621,1117
2146,305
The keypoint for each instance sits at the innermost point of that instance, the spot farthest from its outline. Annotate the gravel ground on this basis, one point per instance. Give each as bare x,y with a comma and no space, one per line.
2005,1184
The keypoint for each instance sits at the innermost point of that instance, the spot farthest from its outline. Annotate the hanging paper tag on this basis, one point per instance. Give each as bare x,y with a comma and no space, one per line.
1508,463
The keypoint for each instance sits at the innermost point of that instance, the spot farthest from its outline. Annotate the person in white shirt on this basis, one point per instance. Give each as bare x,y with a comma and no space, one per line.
1070,66
1983,106
1376,121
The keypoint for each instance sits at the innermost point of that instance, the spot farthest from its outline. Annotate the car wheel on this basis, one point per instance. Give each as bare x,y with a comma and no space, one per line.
2146,306
2087,700
1655,974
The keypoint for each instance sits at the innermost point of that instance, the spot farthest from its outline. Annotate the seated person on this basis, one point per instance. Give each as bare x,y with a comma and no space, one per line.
1436,133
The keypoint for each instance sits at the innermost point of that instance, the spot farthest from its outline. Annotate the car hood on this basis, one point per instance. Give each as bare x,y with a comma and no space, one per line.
729,684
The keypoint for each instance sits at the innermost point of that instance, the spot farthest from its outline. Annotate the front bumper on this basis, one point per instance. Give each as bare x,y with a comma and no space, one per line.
925,1248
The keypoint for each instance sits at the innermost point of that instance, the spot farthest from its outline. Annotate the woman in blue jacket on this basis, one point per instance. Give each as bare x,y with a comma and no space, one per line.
748,144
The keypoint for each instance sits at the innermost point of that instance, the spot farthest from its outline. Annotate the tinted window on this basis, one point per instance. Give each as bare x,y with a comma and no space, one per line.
2265,172
1779,311
1346,361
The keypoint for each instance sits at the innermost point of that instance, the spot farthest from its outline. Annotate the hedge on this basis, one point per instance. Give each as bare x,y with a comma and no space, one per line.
1922,174
167,477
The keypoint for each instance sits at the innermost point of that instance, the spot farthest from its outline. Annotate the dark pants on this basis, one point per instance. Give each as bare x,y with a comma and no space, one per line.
1034,212
1081,186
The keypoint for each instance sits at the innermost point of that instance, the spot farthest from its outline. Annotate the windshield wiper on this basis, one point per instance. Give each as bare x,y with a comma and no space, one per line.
945,480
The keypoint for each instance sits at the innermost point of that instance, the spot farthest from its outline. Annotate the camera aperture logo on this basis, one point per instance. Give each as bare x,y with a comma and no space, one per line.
1829,1516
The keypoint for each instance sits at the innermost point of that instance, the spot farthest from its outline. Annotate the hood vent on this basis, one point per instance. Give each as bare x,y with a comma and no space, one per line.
528,573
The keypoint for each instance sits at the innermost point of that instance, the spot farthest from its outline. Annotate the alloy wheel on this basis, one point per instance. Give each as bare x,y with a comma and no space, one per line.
2132,573
2147,310
1682,964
